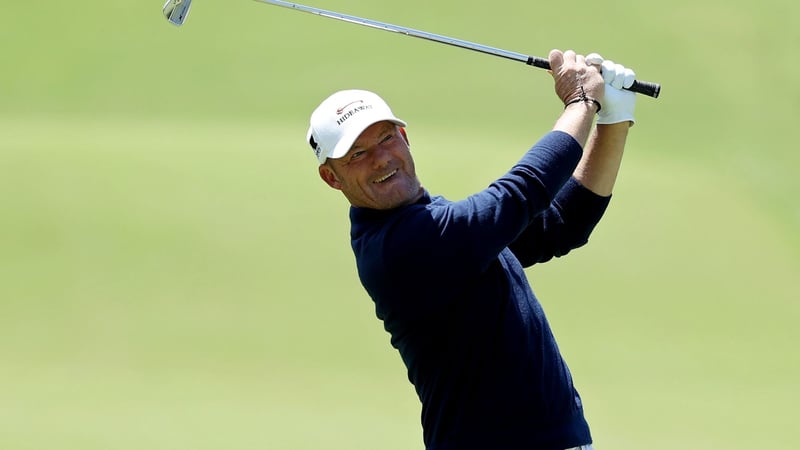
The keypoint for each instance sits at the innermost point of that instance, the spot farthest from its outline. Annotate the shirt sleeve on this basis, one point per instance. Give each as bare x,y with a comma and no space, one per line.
420,257
562,227
468,235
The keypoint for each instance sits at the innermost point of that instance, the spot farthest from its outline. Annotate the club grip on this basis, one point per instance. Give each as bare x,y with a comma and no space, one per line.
646,88
640,87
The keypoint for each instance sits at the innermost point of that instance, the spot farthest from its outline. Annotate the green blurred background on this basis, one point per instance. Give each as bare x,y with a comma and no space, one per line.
174,275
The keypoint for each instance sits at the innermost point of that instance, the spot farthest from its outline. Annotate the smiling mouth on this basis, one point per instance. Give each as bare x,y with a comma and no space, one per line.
385,177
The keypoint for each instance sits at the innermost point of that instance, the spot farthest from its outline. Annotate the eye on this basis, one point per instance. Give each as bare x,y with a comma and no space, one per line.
357,154
387,138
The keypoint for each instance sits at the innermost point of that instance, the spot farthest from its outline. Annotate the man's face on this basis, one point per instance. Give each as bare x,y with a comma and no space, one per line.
378,172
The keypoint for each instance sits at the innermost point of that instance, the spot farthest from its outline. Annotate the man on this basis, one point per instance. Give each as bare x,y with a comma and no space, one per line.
447,277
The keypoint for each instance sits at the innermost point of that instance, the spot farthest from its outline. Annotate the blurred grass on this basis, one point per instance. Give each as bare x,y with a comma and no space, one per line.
165,282
154,298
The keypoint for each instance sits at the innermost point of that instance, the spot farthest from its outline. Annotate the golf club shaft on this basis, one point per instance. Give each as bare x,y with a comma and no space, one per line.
641,87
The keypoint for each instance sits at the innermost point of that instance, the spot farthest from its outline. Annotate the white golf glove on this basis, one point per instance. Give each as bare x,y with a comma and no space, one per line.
618,104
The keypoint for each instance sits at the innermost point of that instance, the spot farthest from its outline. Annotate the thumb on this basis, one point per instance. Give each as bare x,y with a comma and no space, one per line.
556,58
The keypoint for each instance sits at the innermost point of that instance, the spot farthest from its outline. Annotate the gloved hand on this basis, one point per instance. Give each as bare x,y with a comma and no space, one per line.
618,104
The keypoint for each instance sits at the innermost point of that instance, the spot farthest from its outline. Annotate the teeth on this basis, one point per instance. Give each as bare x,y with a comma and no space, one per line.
382,179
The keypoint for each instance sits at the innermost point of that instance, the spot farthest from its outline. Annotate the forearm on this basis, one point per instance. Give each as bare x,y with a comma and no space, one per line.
602,157
576,120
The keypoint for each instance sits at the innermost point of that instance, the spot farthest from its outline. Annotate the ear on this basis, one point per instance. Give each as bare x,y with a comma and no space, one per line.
405,135
329,177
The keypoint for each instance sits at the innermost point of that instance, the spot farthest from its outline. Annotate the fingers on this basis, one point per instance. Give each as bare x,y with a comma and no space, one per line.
594,59
610,70
628,78
572,60
617,75
568,58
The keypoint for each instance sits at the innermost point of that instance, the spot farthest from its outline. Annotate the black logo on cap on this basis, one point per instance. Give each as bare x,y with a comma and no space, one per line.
352,112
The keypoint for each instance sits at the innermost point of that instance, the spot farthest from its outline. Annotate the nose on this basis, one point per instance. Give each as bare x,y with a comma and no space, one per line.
381,156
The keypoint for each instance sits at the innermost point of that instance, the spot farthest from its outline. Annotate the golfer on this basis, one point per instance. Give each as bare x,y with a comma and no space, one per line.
447,276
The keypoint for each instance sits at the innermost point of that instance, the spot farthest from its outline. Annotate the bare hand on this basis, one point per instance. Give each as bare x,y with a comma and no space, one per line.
575,80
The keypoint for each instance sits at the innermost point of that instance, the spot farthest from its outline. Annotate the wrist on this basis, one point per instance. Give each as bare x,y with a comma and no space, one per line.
577,120
582,98
616,126
587,103
624,120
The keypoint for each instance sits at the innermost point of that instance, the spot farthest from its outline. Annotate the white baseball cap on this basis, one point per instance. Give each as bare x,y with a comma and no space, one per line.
341,118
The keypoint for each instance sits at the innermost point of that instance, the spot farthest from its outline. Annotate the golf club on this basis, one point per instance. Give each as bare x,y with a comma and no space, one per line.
641,87
176,11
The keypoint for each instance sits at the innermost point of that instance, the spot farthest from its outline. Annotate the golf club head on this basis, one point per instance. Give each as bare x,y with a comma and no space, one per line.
176,10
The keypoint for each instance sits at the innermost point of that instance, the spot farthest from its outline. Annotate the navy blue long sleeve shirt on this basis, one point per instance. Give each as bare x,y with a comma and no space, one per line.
448,283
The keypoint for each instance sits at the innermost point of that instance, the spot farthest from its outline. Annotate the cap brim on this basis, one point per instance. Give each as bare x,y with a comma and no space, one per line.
347,140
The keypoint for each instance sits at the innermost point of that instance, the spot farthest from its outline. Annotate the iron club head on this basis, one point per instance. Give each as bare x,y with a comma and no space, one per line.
176,10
